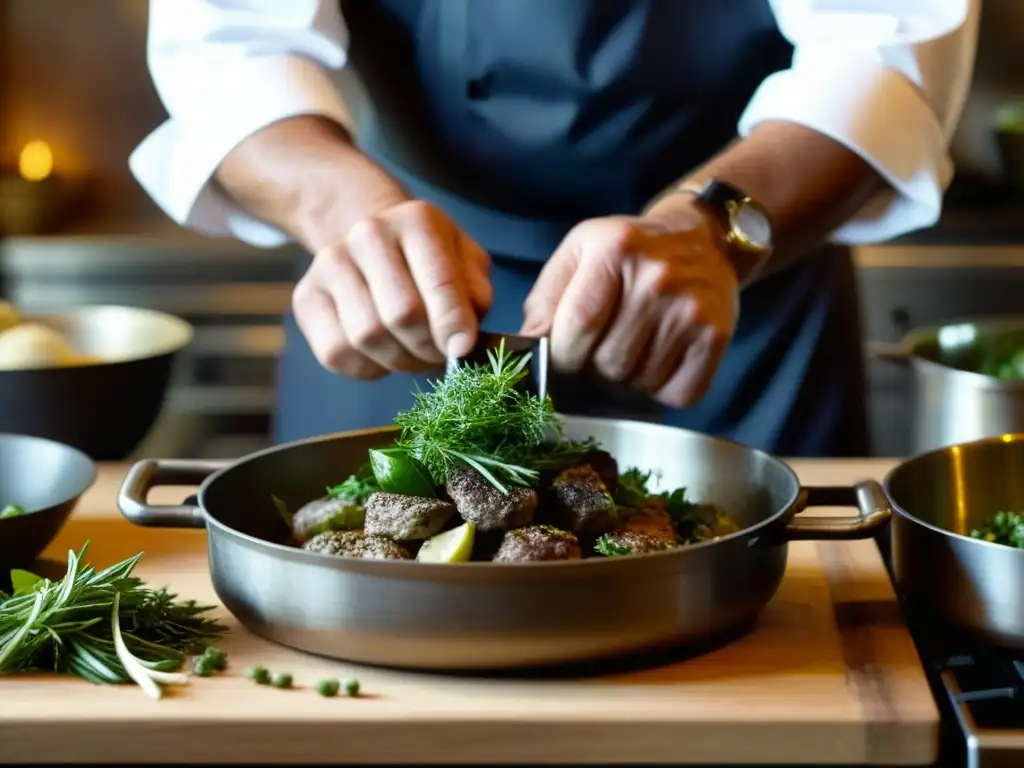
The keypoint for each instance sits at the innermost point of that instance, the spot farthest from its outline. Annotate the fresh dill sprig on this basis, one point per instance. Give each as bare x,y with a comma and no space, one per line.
477,416
65,626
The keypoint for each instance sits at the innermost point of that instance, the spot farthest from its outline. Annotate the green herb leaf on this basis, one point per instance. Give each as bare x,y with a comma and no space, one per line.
604,546
24,582
478,416
355,489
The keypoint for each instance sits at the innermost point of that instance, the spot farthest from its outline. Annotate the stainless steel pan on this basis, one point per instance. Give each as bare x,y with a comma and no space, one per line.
486,615
937,499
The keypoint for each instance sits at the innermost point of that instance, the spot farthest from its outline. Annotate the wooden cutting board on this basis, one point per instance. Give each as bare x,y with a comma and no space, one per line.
828,676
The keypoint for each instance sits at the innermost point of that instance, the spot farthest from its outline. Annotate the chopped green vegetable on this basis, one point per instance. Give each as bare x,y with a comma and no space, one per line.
258,675
105,626
478,416
355,489
631,490
608,548
1005,528
203,667
11,510
351,686
397,471
327,687
281,680
216,657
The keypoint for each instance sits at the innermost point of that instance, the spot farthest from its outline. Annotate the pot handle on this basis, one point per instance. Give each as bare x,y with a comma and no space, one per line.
888,351
146,475
867,496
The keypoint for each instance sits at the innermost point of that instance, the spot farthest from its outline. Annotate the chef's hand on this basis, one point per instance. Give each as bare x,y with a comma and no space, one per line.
403,287
650,300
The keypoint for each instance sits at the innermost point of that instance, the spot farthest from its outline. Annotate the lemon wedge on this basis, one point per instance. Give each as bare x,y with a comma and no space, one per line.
454,546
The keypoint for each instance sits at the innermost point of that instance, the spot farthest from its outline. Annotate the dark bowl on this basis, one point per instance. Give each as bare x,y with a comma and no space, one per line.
46,479
104,409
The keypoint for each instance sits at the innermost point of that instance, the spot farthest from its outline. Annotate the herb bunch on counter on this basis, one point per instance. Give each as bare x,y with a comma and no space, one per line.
104,626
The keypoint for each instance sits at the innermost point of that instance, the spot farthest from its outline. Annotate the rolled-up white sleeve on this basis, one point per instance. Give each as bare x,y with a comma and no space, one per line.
224,69
887,79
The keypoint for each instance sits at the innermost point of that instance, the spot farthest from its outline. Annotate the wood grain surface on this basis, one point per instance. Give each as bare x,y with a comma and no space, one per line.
829,675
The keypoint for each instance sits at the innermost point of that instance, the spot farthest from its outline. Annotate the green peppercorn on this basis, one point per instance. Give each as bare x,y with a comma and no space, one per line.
258,675
327,688
281,680
350,686
217,658
202,667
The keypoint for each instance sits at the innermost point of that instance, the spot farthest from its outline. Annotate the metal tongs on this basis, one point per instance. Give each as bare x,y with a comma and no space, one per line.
537,382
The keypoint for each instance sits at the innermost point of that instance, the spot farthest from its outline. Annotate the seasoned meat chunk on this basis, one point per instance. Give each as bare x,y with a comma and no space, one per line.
357,544
583,503
630,543
606,466
486,507
327,514
653,520
406,518
537,543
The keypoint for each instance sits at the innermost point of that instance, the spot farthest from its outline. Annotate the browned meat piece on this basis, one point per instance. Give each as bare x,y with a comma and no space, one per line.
583,503
630,543
653,520
537,543
357,544
406,518
606,466
486,507
327,514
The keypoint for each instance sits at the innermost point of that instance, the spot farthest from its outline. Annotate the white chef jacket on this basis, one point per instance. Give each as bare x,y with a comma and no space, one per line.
885,78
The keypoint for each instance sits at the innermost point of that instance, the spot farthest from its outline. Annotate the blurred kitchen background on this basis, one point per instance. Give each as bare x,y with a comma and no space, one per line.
74,89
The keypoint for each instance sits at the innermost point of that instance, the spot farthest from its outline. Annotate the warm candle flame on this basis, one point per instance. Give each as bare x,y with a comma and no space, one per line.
36,161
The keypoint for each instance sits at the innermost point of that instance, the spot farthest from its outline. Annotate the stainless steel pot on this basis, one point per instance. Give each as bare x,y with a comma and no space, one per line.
488,615
937,499
952,403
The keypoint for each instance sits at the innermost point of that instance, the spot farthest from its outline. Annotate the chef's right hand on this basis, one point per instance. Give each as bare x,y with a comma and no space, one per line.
404,287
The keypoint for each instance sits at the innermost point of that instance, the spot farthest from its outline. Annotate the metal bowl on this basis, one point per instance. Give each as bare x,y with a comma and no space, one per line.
46,479
937,499
103,409
957,397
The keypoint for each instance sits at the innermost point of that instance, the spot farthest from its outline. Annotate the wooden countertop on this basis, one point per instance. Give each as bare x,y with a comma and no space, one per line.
829,676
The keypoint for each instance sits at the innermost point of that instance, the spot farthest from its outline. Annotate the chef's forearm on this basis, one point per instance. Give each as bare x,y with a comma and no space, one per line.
809,183
304,176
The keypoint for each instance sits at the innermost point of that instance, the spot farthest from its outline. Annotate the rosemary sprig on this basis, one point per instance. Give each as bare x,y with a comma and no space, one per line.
477,416
66,626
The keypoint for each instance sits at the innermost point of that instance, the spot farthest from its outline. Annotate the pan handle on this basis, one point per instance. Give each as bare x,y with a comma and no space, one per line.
146,475
898,352
873,512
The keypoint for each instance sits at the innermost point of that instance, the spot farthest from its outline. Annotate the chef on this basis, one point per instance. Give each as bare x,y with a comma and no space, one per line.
667,188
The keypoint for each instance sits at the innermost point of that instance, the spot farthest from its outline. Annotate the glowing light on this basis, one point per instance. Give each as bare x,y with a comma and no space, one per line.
35,162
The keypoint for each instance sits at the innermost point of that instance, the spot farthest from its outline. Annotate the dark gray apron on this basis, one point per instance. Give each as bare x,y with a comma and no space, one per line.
520,118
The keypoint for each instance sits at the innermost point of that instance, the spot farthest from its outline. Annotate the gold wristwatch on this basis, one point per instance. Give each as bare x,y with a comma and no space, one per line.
746,224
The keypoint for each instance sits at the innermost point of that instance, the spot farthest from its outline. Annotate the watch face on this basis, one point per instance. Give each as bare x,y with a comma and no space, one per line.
752,222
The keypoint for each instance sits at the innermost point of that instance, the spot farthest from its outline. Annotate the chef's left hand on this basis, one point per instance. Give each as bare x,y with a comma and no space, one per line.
650,300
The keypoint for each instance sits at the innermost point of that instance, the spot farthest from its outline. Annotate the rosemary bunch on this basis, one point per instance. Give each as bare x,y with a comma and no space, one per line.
67,626
478,416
